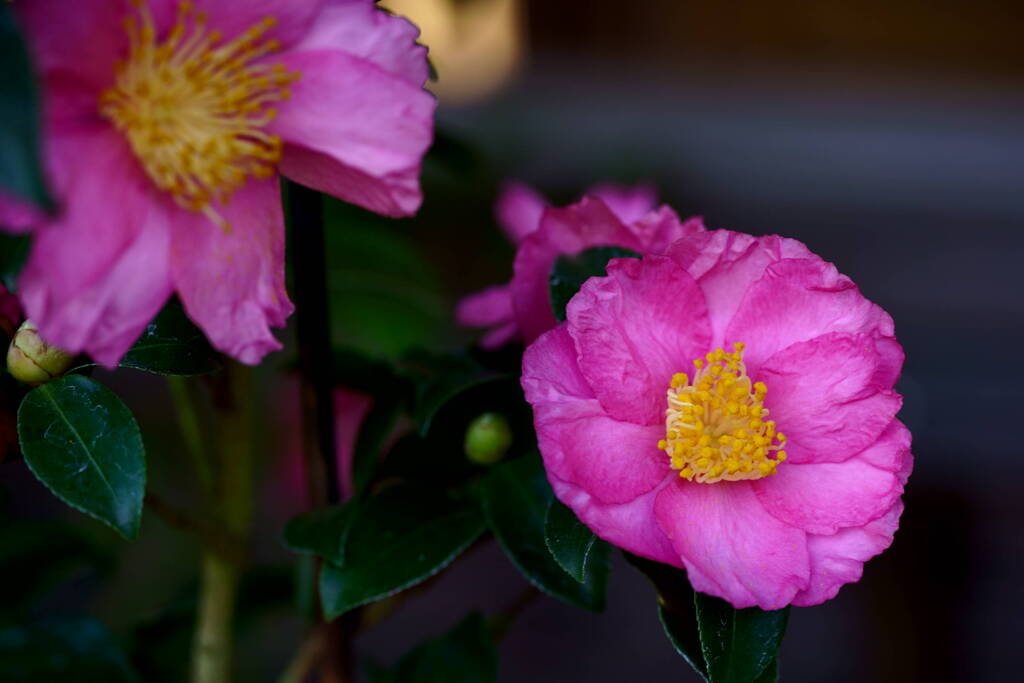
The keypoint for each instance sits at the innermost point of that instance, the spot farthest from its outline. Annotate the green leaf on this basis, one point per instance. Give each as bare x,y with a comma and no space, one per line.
515,497
172,345
400,537
62,650
676,611
570,271
739,645
571,543
376,428
439,379
82,442
13,254
20,169
322,532
466,654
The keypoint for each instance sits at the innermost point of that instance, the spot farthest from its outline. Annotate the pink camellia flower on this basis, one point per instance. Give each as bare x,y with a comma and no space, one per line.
727,407
612,216
166,125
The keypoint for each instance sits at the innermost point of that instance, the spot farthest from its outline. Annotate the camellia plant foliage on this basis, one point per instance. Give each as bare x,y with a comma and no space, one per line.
715,408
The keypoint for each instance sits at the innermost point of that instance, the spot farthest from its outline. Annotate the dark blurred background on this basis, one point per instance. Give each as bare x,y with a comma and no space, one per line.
888,136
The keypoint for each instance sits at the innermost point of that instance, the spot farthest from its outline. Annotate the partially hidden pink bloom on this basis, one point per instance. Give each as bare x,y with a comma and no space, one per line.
774,467
611,215
10,312
166,125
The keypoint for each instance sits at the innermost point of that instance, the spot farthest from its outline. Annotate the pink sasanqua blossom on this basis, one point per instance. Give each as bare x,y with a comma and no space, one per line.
611,215
166,125
727,407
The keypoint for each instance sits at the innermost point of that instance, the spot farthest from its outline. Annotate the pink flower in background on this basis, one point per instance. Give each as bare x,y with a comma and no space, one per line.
10,312
166,125
612,216
727,407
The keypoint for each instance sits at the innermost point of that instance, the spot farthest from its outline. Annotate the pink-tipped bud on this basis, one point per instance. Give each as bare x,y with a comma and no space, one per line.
32,360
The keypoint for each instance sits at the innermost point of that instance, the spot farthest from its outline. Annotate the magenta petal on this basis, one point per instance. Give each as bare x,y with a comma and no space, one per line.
362,29
822,395
661,228
355,131
350,409
825,497
731,546
518,210
18,216
634,329
292,18
614,461
629,203
726,264
588,223
799,299
490,308
232,281
839,559
628,525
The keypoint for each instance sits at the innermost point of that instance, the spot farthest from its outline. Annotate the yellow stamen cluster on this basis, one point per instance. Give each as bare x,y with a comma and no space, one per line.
716,427
194,109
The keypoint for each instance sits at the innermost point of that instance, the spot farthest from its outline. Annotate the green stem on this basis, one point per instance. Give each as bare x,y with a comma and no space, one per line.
212,647
191,429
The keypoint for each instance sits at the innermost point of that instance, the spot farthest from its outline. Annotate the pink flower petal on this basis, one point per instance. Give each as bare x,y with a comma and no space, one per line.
491,306
232,281
661,228
821,394
839,559
614,461
91,289
800,299
350,409
823,498
362,29
355,131
634,329
629,202
627,525
588,223
731,546
726,264
518,210
293,18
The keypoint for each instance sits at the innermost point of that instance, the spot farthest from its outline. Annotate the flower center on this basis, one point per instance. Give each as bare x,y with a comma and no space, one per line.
716,426
193,108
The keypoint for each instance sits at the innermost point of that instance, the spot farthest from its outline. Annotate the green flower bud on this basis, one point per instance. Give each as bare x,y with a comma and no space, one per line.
32,360
488,438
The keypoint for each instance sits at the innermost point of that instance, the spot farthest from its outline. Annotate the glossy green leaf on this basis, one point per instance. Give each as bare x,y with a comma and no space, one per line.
172,345
82,442
13,254
440,379
738,644
400,537
515,496
676,611
571,543
570,271
62,650
322,532
465,654
20,168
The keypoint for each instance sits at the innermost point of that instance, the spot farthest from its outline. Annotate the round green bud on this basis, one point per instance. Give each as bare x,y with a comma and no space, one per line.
488,438
32,360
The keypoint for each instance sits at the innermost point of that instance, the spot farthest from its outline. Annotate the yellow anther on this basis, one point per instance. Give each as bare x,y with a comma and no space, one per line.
716,426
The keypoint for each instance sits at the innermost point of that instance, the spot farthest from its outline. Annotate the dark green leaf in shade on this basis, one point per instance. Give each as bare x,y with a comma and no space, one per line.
676,611
172,345
439,379
322,532
62,650
13,254
571,543
570,271
515,497
377,426
82,442
465,654
400,537
739,645
20,168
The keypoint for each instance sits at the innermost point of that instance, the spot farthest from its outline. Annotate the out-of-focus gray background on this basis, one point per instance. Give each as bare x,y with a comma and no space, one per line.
887,135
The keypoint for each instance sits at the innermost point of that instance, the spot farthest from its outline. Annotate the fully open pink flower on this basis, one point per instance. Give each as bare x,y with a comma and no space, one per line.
773,468
612,216
165,127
